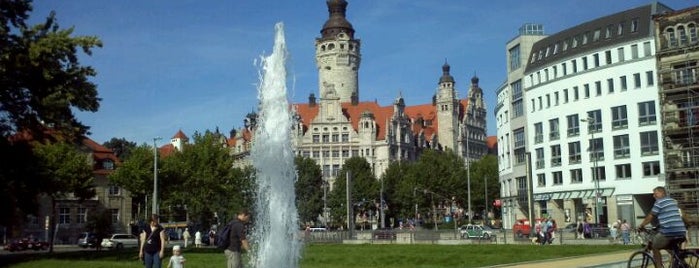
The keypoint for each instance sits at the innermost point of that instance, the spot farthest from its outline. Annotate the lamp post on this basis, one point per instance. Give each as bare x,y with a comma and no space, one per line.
381,212
595,179
325,203
155,176
468,178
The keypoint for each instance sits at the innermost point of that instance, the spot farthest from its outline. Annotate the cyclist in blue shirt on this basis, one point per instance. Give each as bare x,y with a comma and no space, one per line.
671,226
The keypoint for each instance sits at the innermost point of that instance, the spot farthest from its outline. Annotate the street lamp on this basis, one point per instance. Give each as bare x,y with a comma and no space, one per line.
468,178
593,145
325,203
155,176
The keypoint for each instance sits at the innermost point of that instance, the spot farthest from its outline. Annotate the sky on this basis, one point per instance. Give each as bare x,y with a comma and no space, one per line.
190,65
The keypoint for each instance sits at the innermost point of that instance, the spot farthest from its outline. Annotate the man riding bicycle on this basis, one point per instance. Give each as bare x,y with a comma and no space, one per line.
671,225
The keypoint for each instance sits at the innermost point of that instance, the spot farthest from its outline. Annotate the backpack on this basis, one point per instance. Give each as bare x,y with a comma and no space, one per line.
223,238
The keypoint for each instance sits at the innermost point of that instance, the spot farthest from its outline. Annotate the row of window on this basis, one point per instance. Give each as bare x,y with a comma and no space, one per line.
565,96
622,150
680,35
620,120
336,153
65,215
622,172
588,62
326,138
584,39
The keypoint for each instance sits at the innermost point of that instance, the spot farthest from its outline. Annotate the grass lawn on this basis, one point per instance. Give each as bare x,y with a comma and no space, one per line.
339,256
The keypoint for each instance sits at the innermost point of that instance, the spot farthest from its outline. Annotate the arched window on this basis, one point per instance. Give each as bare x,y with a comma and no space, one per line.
682,34
670,36
331,46
692,29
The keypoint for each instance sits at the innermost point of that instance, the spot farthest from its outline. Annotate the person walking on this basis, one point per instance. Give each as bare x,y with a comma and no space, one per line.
238,240
152,247
625,232
671,224
186,237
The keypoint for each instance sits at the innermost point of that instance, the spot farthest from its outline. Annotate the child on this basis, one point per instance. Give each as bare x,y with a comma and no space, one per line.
177,260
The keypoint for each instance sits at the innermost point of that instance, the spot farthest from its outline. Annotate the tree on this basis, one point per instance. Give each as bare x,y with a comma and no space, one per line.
309,189
365,189
202,177
64,171
42,84
136,173
121,147
485,169
41,76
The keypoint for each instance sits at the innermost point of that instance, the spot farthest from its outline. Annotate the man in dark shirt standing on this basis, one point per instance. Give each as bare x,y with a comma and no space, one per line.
238,240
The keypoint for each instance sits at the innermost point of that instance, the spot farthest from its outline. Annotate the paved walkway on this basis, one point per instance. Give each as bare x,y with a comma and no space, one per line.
597,260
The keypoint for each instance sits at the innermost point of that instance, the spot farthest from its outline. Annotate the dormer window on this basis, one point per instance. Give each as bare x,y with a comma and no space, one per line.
108,164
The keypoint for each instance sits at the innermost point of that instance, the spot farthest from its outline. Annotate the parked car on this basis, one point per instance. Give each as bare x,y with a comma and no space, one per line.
87,240
476,231
120,241
27,244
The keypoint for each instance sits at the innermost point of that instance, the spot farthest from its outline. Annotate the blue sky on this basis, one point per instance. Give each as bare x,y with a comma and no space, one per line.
168,65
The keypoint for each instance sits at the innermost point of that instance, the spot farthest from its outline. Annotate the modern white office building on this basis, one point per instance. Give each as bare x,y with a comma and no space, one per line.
583,135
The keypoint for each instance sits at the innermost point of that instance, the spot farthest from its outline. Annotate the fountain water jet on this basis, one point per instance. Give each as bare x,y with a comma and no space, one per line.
275,236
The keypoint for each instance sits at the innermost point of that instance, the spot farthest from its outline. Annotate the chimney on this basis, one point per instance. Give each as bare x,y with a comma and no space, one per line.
312,100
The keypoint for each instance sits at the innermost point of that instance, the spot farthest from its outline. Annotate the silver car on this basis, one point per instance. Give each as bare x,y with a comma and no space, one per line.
120,241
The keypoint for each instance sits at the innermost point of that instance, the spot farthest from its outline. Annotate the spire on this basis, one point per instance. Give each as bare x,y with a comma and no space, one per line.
446,77
337,22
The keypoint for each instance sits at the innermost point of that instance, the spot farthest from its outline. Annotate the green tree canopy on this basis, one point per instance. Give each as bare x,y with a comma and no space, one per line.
121,147
42,83
365,189
309,189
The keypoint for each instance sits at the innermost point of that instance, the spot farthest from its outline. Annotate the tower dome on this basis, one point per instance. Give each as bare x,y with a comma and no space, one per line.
337,22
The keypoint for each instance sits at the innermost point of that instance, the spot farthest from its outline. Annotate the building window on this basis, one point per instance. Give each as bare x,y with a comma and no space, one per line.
620,54
595,59
610,85
594,121
557,178
586,90
634,51
63,215
518,108
584,59
345,137
335,153
316,154
650,78
335,138
646,113
555,98
596,149
108,164
82,215
554,134
651,168
316,138
538,133
565,95
608,31
573,125
564,69
555,155
601,174
540,158
114,190
622,82
548,101
649,143
620,28
574,63
637,80
541,179
621,146
598,88
634,25
623,172
576,175
115,214
646,49
684,74
514,58
608,57
326,153
326,138
574,152
345,153
619,119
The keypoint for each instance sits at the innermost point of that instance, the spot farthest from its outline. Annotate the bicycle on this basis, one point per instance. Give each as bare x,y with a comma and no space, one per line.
679,258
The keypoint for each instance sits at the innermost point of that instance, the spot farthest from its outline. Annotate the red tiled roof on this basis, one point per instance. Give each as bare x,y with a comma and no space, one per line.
180,135
491,142
352,112
166,150
100,152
